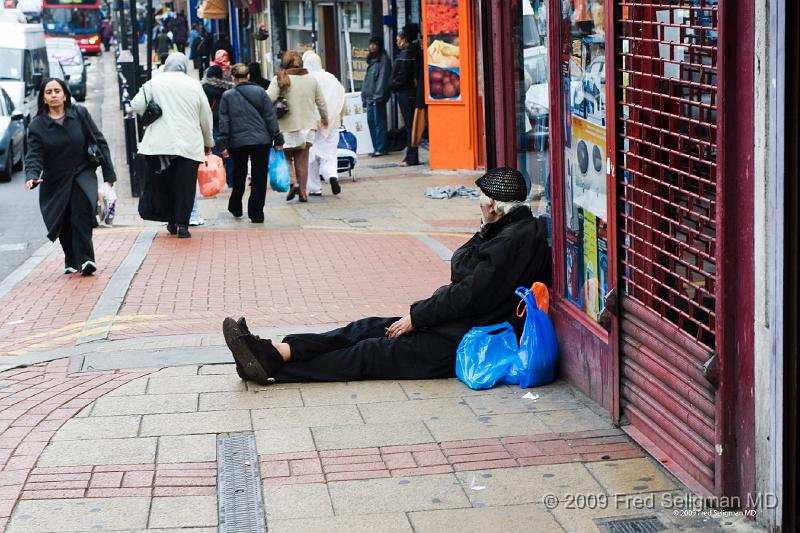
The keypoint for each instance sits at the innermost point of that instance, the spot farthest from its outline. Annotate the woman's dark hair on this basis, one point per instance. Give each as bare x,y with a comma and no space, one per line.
377,40
42,106
214,71
255,70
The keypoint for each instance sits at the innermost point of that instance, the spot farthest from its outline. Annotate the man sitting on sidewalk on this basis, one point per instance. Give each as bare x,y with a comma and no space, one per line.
509,251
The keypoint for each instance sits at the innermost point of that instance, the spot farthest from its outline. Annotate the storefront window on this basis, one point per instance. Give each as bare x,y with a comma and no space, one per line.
293,14
533,113
583,89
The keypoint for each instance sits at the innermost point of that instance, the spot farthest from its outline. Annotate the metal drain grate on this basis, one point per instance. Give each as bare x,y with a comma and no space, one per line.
641,524
240,504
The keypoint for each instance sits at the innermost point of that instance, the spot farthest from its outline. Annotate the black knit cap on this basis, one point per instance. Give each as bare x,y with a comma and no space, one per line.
504,184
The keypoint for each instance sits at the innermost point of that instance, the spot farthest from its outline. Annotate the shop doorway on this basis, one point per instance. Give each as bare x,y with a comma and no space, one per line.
328,39
667,186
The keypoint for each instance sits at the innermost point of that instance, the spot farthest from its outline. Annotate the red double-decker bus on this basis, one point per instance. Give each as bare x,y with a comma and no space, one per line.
79,19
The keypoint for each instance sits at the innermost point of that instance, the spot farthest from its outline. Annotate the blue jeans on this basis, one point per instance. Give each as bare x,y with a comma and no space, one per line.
376,120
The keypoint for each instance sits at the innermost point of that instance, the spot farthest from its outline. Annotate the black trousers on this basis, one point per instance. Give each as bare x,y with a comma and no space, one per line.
361,350
179,181
257,154
75,236
407,100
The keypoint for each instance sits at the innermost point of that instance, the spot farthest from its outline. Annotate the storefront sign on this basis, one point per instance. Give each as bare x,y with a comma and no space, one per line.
359,63
354,118
442,50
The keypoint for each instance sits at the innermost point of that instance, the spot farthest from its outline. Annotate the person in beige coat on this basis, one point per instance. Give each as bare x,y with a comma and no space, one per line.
307,112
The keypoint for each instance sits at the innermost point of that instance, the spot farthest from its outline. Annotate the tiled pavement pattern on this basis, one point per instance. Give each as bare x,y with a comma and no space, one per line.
366,456
48,309
447,457
34,403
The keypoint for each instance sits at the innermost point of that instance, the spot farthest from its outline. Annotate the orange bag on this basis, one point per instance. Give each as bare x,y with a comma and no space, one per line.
211,176
542,296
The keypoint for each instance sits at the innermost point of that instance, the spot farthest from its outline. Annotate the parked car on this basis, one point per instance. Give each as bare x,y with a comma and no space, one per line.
23,64
67,52
56,71
12,137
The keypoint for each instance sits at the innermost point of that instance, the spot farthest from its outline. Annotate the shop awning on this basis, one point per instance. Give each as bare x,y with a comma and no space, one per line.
213,9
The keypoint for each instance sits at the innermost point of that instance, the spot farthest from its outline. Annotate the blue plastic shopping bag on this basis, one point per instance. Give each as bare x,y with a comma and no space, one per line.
278,171
485,354
536,359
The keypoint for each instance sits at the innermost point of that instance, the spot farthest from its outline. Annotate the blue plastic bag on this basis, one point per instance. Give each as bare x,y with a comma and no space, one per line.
485,354
535,363
278,171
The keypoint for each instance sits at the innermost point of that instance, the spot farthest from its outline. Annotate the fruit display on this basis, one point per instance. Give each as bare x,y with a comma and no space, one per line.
444,54
444,83
442,18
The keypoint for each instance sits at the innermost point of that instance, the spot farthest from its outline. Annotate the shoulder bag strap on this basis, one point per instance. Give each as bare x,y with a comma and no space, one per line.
251,104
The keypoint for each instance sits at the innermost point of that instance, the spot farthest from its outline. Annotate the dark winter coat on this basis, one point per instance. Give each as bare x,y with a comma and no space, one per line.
406,69
376,80
163,44
180,34
57,154
214,89
246,118
485,272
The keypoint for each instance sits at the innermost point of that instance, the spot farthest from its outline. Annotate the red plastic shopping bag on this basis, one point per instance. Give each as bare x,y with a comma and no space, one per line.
211,176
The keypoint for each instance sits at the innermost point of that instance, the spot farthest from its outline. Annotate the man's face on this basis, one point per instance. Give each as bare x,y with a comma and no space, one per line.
373,48
487,210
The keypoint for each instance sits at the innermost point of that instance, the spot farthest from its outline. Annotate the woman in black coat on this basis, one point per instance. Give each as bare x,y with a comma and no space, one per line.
405,83
510,250
57,159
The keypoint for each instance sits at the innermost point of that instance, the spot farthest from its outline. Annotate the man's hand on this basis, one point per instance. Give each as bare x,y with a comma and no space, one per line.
32,184
224,154
279,147
208,150
400,328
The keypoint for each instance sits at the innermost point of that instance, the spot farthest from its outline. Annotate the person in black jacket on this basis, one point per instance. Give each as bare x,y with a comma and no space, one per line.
405,76
57,158
509,251
248,127
255,75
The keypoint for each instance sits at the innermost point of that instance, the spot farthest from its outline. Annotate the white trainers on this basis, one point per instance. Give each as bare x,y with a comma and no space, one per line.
197,222
70,270
88,268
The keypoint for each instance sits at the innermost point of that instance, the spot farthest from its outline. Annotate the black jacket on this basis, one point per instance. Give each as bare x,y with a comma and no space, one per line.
375,88
57,154
214,89
246,117
406,69
512,252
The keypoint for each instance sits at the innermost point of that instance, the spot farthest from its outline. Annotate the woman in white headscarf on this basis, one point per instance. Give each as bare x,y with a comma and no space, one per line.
322,157
176,143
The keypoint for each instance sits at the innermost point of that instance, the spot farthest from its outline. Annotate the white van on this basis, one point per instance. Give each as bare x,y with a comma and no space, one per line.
23,64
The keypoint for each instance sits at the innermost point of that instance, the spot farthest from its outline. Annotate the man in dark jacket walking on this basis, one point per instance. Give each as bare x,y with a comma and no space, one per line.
375,93
248,127
405,76
509,251
180,32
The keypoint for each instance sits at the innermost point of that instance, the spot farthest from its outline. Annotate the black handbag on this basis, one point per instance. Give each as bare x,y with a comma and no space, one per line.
94,155
281,107
152,111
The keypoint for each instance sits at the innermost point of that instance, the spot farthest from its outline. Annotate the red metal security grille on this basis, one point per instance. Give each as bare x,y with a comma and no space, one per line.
666,127
667,87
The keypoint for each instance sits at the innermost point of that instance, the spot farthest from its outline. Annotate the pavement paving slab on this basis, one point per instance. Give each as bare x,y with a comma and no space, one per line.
183,511
258,398
369,523
487,426
508,519
57,516
297,501
99,452
366,435
306,417
440,491
360,392
99,427
285,440
187,448
144,404
193,423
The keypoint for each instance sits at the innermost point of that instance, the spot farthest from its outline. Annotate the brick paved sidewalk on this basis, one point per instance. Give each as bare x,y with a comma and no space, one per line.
136,450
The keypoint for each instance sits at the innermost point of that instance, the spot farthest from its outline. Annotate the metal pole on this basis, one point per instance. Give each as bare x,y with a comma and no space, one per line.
122,28
134,83
149,29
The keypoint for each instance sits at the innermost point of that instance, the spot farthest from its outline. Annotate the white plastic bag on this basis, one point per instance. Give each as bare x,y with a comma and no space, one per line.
109,203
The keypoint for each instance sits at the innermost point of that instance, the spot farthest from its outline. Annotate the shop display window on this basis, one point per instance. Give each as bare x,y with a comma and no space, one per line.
533,108
443,51
583,93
